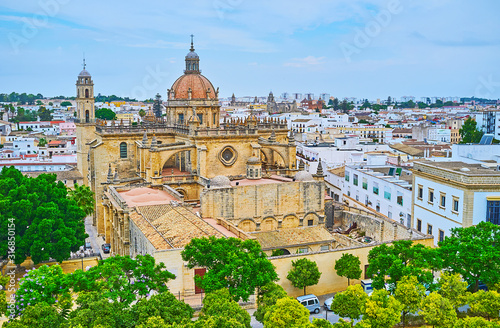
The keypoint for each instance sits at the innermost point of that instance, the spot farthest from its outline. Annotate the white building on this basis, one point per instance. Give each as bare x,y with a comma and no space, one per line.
384,189
453,194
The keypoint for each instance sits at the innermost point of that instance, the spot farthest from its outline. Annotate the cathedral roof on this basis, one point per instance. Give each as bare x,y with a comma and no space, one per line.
192,54
199,86
84,72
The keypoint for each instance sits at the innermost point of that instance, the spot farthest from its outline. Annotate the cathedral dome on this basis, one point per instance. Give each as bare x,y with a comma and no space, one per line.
198,84
303,176
84,73
220,181
192,54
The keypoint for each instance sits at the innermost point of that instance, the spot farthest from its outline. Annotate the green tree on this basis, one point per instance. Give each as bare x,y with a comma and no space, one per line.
348,266
105,114
460,253
84,198
41,315
142,113
321,323
336,104
51,103
287,313
43,285
452,287
219,303
94,310
363,121
410,294
345,107
42,142
267,297
39,103
66,104
47,223
44,114
400,259
469,132
154,322
422,105
123,279
382,310
485,303
163,305
475,322
350,303
438,311
231,263
304,273
4,280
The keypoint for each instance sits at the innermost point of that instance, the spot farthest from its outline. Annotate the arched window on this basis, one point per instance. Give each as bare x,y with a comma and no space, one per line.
123,150
86,93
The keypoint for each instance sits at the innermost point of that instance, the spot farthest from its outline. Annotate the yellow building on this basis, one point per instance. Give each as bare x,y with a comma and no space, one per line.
184,150
125,116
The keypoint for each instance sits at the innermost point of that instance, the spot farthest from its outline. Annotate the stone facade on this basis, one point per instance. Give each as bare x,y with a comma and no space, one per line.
265,207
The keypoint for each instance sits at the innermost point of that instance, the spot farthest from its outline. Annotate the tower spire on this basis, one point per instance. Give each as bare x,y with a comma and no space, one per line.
84,65
192,43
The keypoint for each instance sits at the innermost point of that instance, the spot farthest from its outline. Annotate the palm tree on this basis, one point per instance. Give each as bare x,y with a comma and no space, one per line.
84,198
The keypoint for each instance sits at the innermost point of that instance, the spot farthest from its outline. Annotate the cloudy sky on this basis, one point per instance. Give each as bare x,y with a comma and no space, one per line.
347,48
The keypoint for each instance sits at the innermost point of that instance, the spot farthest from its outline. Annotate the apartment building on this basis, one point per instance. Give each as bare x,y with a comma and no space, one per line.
453,194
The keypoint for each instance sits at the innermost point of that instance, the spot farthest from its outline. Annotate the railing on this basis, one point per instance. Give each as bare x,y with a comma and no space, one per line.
225,132
177,178
116,196
150,128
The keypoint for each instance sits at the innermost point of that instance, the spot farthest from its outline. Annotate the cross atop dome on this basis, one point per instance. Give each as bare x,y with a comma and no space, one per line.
192,60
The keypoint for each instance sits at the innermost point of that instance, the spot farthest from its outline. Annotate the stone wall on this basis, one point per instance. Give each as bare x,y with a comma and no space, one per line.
377,228
329,282
288,204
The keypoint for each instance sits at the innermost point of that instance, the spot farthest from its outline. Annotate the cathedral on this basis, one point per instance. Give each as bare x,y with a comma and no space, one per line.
195,158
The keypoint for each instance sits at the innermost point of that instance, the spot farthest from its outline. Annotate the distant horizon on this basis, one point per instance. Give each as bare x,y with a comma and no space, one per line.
347,48
276,95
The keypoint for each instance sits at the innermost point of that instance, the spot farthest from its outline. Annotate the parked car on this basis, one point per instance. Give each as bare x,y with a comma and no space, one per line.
106,248
88,245
328,303
311,302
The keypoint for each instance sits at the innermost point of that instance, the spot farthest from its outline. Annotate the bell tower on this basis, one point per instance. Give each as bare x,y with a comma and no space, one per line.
85,120
85,112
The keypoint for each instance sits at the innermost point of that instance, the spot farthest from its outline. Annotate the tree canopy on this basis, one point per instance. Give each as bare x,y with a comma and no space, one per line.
469,132
105,114
84,197
231,263
438,311
461,249
410,294
123,279
400,259
287,313
47,223
382,310
350,303
348,266
267,297
304,273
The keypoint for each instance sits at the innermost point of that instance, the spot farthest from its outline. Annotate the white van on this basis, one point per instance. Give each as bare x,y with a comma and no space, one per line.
310,301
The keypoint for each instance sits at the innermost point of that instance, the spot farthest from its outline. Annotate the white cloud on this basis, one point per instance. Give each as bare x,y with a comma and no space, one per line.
305,62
